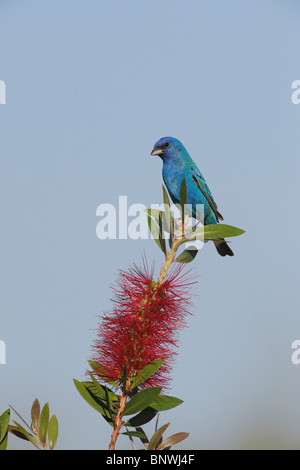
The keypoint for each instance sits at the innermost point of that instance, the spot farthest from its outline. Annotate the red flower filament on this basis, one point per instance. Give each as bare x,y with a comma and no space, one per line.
143,325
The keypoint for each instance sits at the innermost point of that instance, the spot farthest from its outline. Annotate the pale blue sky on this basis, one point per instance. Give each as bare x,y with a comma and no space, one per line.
91,86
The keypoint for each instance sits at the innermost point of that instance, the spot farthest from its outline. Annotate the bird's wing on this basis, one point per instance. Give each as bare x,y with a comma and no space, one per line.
200,182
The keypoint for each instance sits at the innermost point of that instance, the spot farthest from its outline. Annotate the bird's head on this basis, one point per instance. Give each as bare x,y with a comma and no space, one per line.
167,147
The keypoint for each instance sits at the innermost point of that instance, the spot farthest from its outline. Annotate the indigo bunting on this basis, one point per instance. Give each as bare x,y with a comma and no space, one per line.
177,164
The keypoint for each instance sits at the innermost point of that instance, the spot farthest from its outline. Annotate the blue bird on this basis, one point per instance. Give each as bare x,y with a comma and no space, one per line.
177,164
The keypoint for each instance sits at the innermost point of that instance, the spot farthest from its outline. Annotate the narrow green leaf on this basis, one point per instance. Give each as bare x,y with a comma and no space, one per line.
4,420
187,256
165,402
26,434
4,424
35,413
147,372
23,420
153,213
3,443
161,403
16,432
141,400
182,203
213,231
154,229
156,213
144,439
43,423
111,408
162,235
100,390
165,197
92,396
141,435
52,432
156,436
172,440
113,398
143,417
101,372
169,221
183,193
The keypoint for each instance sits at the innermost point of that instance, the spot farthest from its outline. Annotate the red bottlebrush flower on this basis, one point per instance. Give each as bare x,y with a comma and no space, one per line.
144,324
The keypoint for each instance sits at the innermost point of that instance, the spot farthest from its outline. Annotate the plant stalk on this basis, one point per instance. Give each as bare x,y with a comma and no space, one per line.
118,422
170,258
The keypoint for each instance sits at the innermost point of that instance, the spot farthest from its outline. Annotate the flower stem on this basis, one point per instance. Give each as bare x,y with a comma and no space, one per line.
118,418
118,422
170,258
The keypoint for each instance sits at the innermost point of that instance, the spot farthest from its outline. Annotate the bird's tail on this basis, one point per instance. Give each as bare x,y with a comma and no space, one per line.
222,247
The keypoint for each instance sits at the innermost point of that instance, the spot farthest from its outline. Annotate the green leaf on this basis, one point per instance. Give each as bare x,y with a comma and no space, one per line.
103,391
23,420
43,423
52,432
161,403
3,443
141,435
26,434
113,398
95,398
147,372
162,235
153,213
154,229
165,197
168,218
156,436
213,231
165,402
183,201
156,213
164,222
84,388
101,372
4,423
35,413
141,400
143,417
183,193
111,408
16,432
4,420
172,440
144,439
187,255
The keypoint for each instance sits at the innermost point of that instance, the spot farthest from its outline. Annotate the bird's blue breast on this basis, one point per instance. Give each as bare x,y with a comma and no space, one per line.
174,170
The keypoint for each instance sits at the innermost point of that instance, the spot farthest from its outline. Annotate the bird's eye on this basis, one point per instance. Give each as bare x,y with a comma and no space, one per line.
166,145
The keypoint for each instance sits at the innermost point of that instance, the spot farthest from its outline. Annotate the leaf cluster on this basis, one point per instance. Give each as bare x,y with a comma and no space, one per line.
141,407
42,432
162,226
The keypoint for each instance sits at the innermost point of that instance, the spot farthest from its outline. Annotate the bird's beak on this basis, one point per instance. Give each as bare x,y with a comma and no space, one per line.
156,151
